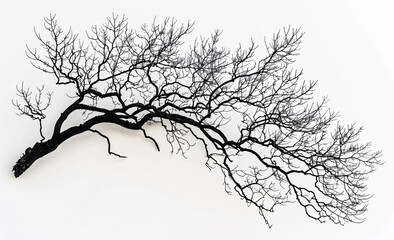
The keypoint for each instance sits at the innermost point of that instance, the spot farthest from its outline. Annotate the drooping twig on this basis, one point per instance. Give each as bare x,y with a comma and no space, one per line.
108,143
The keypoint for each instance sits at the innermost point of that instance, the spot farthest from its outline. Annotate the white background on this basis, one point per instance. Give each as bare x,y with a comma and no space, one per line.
79,192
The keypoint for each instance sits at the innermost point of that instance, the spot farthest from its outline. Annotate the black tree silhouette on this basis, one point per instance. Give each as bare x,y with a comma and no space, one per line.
282,145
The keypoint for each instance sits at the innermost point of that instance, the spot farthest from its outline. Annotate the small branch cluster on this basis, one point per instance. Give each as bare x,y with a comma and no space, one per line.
33,106
256,118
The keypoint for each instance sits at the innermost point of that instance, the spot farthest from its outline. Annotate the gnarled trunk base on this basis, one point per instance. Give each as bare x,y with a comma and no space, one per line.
39,150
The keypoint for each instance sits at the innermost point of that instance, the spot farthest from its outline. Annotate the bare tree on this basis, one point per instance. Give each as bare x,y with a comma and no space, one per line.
255,118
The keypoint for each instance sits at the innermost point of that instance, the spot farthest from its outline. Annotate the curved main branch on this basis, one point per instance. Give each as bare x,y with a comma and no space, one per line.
256,118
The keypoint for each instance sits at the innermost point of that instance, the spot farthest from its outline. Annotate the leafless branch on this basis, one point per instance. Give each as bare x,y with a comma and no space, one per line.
256,118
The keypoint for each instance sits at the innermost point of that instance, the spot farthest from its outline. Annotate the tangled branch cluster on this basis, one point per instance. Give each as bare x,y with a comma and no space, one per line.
255,118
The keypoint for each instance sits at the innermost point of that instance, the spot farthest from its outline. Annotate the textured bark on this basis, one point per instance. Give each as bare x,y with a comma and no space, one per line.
39,150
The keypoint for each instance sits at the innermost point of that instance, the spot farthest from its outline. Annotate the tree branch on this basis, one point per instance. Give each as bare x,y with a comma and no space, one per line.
108,142
256,118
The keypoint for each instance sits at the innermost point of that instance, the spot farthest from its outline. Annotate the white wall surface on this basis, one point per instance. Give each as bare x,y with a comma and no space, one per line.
79,192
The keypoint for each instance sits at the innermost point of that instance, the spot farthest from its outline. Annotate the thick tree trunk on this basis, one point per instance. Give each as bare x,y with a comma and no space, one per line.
39,150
